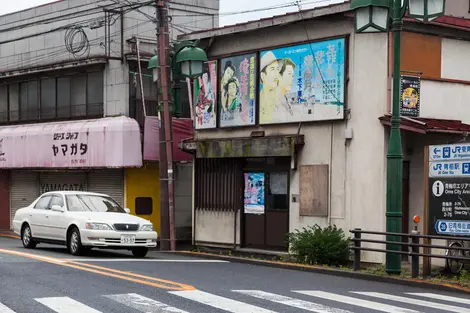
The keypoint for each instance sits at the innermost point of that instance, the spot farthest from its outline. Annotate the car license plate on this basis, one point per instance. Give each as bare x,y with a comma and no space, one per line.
126,239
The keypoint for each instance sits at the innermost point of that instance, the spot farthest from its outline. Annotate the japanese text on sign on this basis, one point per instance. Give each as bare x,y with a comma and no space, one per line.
69,148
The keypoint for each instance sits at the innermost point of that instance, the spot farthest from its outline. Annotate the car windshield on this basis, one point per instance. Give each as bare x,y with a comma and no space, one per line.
92,203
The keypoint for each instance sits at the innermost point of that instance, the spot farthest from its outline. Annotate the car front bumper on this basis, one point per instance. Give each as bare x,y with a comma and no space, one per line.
117,239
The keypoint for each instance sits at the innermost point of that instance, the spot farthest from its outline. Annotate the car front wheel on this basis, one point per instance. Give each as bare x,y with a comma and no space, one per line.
75,243
27,238
140,252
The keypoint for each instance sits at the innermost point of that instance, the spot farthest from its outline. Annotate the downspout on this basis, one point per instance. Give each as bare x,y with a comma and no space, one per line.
330,173
193,201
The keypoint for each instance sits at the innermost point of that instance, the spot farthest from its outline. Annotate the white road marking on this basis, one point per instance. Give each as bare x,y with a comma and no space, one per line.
428,304
145,260
5,309
219,302
354,301
296,303
143,304
441,297
66,305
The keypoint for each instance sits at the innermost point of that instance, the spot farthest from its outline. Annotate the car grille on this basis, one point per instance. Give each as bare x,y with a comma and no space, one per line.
126,227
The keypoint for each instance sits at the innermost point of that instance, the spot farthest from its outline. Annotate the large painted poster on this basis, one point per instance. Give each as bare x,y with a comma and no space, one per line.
238,91
302,83
254,193
206,97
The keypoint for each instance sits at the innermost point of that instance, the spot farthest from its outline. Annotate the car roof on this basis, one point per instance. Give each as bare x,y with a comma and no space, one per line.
74,193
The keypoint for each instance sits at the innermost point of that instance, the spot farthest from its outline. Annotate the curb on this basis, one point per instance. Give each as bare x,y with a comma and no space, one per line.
328,271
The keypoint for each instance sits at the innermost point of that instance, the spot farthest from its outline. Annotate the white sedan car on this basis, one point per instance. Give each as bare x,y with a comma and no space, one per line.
81,221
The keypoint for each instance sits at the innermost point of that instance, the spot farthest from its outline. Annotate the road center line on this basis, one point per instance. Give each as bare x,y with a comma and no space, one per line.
164,284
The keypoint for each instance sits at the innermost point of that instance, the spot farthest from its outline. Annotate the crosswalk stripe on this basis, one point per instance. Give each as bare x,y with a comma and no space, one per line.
440,297
143,304
357,302
5,309
428,304
296,303
66,305
219,302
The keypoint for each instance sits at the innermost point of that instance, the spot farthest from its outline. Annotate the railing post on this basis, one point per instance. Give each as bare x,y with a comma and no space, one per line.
415,256
357,250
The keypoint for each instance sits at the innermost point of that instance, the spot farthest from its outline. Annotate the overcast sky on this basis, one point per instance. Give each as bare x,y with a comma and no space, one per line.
226,6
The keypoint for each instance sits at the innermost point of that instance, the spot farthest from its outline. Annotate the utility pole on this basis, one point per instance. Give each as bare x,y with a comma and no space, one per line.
167,208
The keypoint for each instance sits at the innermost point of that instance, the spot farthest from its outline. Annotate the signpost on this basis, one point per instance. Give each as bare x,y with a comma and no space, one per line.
449,190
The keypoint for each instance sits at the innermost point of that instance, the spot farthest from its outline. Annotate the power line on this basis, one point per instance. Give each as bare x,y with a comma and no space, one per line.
59,51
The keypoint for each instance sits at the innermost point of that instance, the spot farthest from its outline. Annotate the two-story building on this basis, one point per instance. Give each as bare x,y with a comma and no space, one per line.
73,115
292,122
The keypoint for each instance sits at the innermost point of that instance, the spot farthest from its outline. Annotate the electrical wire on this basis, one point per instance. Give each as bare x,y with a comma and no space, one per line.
78,47
314,58
59,52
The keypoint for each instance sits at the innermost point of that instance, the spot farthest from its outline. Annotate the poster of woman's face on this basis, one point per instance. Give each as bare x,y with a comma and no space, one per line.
206,97
237,91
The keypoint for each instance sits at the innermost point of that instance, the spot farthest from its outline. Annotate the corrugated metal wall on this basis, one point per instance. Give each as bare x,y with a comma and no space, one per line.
109,181
24,190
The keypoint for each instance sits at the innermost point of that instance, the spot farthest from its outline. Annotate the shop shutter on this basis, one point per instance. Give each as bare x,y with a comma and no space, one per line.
108,181
62,181
24,190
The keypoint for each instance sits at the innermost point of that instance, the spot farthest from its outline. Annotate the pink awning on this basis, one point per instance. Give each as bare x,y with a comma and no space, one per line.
182,129
98,143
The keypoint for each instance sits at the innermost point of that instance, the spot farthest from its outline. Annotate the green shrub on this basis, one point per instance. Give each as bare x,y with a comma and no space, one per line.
314,245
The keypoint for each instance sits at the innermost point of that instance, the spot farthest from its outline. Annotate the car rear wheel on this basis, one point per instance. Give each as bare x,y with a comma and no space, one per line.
75,243
27,237
140,252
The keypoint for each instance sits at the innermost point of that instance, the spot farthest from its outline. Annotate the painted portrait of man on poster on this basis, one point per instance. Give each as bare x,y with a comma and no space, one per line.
302,83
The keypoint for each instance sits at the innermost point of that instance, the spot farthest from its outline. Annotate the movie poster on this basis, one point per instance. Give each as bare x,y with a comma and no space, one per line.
238,91
254,193
206,97
302,83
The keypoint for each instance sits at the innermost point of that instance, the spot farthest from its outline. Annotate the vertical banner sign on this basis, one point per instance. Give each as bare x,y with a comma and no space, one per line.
449,194
238,91
410,95
254,193
302,83
206,97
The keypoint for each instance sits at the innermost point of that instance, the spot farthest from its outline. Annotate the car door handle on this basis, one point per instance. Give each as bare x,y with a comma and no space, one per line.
47,216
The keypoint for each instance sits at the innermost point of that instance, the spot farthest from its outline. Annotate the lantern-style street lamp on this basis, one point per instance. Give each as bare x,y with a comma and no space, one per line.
374,16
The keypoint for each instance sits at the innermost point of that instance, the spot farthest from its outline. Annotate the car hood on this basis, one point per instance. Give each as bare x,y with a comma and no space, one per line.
112,218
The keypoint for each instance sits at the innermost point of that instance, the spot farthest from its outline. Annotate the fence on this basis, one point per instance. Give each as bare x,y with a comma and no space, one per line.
413,247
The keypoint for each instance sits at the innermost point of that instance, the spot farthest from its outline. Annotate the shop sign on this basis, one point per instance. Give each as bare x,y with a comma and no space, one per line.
449,191
107,142
46,187
410,91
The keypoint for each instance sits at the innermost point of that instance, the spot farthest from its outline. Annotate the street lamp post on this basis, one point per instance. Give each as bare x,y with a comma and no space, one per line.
373,16
185,59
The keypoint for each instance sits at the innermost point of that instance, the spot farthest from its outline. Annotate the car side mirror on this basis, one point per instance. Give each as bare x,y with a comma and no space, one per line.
57,208
127,210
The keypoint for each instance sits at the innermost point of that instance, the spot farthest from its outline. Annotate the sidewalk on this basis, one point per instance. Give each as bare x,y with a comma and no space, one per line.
282,260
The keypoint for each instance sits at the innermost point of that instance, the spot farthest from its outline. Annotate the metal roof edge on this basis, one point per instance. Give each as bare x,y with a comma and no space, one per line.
269,22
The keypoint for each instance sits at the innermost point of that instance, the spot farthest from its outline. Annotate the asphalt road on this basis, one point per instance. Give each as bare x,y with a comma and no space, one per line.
48,279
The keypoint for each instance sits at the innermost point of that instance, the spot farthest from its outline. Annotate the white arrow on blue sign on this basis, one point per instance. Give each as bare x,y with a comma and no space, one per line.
449,152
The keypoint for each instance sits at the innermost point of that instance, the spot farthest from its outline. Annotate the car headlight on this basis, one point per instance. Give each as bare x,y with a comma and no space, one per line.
146,227
98,226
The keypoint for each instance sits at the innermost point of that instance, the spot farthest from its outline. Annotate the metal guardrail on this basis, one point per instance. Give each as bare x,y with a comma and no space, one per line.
413,247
